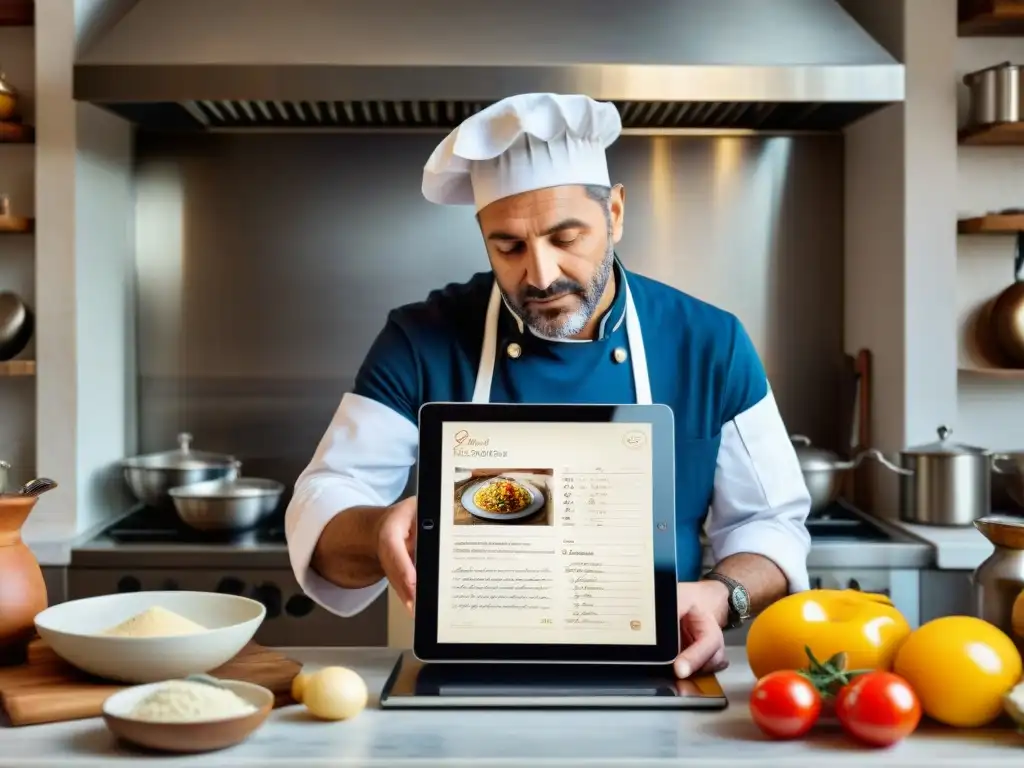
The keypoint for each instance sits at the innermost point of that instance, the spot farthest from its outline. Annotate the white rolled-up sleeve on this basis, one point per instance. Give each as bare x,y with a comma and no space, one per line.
363,460
760,503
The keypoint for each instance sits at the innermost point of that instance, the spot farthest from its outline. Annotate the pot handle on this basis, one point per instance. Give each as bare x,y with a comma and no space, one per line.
801,439
877,455
998,457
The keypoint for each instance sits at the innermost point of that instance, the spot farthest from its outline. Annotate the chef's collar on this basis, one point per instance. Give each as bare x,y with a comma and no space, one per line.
610,322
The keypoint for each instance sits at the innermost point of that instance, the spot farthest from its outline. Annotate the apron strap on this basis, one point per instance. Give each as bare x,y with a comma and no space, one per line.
641,378
485,370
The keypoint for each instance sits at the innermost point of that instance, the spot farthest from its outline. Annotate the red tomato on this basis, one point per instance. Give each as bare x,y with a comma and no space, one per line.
878,708
785,704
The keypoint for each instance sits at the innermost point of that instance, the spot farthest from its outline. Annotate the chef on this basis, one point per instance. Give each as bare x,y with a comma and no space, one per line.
558,318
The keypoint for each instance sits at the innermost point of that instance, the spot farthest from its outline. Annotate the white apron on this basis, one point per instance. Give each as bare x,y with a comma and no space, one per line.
400,625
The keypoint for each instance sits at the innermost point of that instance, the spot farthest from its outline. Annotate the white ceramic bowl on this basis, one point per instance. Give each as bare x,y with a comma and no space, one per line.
73,630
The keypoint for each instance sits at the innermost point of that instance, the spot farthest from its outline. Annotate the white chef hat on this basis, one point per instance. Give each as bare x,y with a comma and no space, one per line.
526,142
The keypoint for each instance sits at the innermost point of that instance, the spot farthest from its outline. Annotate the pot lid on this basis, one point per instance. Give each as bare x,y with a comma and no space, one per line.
811,457
183,458
946,446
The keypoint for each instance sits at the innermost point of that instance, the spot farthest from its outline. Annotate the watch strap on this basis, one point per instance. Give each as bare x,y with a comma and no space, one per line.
739,601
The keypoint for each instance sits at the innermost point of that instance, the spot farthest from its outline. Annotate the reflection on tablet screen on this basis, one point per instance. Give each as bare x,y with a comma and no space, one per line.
546,534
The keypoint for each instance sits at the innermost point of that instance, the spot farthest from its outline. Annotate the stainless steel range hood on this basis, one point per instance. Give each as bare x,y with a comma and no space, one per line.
767,65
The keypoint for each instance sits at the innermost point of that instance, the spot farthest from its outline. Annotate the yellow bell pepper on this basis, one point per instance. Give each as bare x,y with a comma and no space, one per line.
864,626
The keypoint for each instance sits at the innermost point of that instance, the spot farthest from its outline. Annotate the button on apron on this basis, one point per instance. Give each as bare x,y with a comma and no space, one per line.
514,350
620,355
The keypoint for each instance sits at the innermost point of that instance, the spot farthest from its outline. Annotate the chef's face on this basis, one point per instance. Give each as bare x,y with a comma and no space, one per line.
552,251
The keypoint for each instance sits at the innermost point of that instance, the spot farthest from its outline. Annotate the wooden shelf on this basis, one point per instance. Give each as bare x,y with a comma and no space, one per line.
995,135
17,13
12,132
990,18
993,373
30,227
992,224
18,368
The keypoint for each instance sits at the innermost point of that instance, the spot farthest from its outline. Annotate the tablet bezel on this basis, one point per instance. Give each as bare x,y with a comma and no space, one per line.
429,478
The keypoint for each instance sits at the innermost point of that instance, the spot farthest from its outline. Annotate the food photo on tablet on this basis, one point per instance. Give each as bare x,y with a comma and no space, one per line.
500,496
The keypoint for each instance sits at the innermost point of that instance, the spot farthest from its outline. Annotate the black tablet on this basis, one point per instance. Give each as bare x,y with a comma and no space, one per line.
546,534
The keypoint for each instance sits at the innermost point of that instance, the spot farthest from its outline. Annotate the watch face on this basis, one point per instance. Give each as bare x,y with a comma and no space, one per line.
741,601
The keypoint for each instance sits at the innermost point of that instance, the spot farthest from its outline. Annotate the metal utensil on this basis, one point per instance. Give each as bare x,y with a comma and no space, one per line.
994,94
945,483
999,580
228,504
150,477
5,469
17,323
37,487
1007,317
823,470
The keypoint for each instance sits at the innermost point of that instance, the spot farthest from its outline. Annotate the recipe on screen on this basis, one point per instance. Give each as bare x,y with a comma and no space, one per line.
546,534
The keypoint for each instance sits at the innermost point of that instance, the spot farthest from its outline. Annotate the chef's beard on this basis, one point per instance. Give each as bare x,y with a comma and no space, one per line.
562,324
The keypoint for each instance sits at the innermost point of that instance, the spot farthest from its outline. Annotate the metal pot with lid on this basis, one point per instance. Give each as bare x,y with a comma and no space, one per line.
150,477
945,482
823,469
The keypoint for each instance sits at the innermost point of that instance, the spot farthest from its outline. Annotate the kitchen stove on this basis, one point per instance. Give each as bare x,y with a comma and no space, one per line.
151,549
153,525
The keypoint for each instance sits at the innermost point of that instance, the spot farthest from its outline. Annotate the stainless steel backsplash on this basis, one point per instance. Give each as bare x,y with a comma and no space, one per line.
267,264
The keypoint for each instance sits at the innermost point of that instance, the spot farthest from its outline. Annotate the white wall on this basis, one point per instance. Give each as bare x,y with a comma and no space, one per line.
85,346
988,179
901,233
17,255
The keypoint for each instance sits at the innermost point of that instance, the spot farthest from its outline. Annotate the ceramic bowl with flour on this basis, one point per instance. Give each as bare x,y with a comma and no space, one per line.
144,637
188,716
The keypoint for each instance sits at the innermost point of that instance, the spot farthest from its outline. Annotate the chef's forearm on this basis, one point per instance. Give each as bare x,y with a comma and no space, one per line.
763,579
346,552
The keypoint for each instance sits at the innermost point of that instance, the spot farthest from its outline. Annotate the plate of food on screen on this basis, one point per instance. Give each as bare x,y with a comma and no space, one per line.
502,499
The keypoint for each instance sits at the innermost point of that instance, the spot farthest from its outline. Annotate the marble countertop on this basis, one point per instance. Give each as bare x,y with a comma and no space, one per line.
515,738
956,549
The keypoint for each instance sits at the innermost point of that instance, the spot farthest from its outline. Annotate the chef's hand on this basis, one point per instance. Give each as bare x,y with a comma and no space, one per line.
702,605
396,543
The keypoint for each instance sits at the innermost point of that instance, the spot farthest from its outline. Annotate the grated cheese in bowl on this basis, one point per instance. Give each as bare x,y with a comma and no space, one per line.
187,701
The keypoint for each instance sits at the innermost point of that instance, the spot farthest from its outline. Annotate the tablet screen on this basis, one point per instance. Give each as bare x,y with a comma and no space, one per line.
546,534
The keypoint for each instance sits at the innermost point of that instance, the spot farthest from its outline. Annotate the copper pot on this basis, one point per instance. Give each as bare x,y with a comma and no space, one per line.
8,99
24,592
1007,317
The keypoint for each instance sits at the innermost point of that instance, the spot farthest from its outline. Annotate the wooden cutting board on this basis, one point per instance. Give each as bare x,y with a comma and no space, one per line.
49,690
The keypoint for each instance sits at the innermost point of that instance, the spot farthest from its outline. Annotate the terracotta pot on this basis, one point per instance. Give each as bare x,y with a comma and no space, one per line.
22,589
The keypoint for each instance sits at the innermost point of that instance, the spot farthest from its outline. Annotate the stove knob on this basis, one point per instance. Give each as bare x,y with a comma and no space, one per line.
231,586
270,596
129,584
299,606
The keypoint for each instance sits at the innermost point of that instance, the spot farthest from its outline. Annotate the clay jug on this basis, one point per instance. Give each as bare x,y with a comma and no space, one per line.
22,589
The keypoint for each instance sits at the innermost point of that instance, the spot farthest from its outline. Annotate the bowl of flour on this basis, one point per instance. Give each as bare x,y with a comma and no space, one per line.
186,715
145,637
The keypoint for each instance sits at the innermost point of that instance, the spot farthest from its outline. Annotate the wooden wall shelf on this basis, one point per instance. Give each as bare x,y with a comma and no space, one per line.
993,224
995,135
993,373
12,132
18,368
990,18
17,13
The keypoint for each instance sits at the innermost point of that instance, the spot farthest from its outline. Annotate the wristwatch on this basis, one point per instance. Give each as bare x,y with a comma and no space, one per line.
739,599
